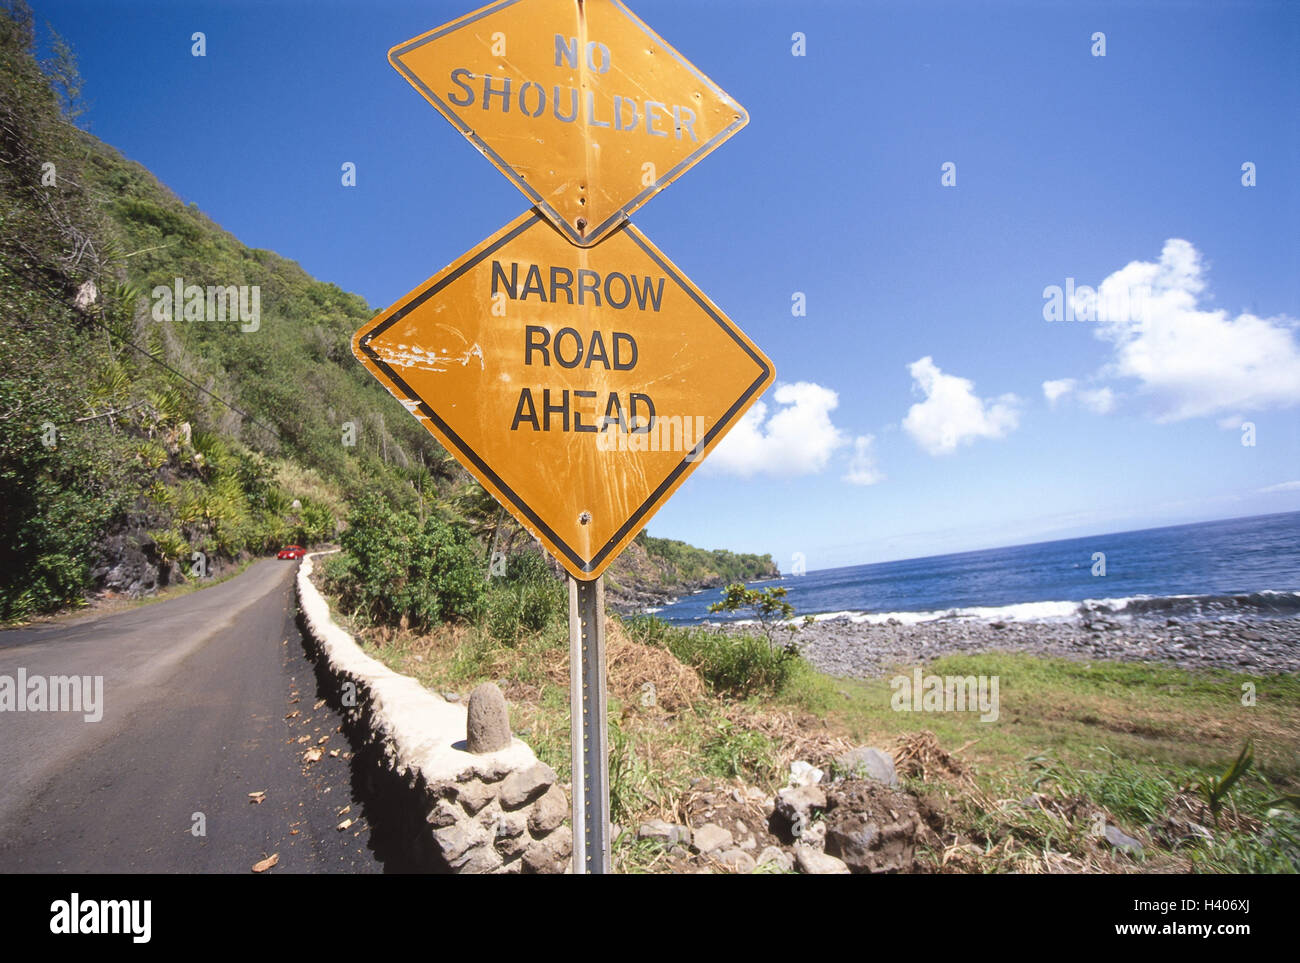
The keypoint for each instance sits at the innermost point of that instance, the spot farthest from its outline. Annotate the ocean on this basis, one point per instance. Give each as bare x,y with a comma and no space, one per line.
1223,569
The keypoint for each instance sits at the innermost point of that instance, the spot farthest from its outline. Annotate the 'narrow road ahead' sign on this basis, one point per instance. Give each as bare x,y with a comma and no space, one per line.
578,102
579,386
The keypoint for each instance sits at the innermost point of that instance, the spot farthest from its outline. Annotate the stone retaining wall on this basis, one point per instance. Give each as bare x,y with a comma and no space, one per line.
498,812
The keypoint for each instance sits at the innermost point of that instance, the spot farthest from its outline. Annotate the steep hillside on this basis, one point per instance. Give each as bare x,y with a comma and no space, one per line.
172,400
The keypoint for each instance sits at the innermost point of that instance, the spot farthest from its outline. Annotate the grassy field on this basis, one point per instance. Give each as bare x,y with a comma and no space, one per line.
1077,745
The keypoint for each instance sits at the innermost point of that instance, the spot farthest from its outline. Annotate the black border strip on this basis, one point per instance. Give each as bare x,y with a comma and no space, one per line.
692,458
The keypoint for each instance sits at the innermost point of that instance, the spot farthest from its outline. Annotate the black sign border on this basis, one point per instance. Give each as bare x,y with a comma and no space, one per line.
691,459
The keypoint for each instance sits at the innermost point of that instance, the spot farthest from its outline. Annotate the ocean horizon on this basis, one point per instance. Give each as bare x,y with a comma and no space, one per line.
1218,569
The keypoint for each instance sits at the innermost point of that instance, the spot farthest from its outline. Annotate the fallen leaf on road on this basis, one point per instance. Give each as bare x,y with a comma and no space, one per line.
293,832
345,810
264,865
319,704
334,753
322,740
302,739
344,825
257,797
311,755
293,714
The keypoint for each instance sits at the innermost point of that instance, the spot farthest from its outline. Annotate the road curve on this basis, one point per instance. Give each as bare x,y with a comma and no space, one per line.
206,698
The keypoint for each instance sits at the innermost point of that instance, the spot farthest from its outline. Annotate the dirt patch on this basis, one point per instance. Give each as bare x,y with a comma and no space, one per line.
876,829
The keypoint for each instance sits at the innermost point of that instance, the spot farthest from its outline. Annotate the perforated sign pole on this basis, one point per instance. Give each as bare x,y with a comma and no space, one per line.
588,726
458,351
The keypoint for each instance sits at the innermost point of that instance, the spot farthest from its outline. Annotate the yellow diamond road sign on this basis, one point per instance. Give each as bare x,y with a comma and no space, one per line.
578,102
579,386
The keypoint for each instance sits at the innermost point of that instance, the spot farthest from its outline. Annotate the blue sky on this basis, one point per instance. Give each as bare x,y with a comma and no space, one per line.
1068,165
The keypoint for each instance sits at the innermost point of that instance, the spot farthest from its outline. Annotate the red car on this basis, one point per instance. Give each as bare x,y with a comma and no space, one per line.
292,551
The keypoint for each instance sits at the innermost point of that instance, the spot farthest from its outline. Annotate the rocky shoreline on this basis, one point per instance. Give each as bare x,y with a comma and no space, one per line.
1260,646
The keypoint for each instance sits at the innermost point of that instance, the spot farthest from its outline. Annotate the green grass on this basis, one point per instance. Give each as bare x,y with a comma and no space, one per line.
1120,742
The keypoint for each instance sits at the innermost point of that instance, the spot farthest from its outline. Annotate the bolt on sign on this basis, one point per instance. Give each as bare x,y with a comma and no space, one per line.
581,387
584,107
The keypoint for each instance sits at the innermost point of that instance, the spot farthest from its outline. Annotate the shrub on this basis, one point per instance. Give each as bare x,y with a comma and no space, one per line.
399,570
730,664
529,599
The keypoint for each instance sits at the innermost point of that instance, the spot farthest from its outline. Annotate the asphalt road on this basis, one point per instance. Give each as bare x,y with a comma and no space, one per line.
207,698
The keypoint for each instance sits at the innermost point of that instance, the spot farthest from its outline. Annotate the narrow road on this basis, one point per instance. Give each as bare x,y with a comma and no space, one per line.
206,698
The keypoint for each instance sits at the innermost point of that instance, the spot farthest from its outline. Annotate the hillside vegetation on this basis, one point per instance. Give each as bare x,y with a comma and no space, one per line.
142,443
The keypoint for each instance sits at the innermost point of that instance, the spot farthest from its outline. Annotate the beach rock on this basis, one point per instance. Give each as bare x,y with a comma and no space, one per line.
1118,839
804,774
488,720
710,837
870,762
664,832
816,863
737,860
777,857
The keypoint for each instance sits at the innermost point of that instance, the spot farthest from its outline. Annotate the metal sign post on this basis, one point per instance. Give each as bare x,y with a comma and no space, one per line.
567,341
588,726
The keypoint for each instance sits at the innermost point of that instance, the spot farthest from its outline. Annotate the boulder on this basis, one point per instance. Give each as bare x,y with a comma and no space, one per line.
736,860
777,857
710,837
665,833
549,855
869,762
816,863
794,807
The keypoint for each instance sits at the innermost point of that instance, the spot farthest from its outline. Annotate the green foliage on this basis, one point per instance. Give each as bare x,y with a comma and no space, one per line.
528,599
399,570
767,605
737,753
1214,789
730,664
634,785
686,563
121,466
170,546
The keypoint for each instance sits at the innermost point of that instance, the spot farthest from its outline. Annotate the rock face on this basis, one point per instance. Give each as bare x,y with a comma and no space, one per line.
487,728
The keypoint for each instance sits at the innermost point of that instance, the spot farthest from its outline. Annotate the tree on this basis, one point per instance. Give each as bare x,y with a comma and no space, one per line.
768,606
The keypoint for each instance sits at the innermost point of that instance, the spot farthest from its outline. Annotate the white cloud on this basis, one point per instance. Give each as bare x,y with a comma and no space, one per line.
1291,486
952,414
798,439
862,466
1053,391
1190,360
1100,401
